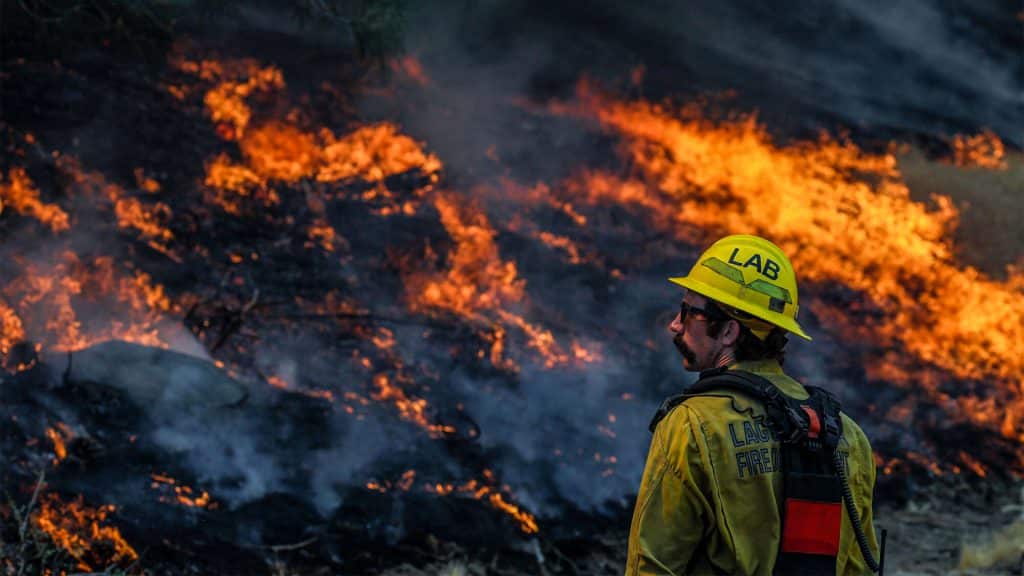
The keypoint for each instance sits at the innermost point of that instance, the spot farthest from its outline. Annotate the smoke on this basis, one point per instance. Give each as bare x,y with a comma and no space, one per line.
566,437
925,67
887,70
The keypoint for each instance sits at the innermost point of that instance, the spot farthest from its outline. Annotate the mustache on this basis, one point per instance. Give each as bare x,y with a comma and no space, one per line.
684,350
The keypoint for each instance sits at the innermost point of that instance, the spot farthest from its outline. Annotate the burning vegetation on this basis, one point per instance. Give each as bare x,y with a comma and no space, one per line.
306,329
847,218
83,532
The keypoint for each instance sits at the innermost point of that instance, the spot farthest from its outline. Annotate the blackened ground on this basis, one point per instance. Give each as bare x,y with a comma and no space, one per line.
111,112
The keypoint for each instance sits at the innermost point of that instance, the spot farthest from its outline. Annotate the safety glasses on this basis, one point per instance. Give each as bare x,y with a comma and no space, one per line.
710,313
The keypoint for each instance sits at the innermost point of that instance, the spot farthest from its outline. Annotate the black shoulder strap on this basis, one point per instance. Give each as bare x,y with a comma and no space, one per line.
815,420
717,380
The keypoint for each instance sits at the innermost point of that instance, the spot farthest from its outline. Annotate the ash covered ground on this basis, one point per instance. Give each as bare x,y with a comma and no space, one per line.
270,305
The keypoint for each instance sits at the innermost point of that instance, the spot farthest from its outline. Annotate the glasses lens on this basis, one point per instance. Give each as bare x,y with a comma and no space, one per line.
711,313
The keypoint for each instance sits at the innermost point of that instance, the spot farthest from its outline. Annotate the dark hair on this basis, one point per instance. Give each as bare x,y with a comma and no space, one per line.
749,346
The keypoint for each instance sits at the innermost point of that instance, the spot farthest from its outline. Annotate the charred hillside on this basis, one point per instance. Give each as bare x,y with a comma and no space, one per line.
274,301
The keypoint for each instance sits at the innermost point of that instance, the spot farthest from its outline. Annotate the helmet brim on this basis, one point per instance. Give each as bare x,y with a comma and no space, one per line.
774,318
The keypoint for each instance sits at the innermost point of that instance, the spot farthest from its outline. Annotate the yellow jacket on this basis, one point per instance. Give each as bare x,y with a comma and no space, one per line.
710,496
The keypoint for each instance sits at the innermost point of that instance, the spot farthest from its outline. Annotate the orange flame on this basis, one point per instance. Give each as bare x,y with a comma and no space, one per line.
411,409
843,215
925,462
279,151
278,382
973,464
403,484
282,384
276,151
384,339
132,214
46,298
59,436
145,182
478,279
480,286
372,153
984,150
22,196
412,68
238,79
183,494
80,532
283,152
480,491
12,330
562,243
223,176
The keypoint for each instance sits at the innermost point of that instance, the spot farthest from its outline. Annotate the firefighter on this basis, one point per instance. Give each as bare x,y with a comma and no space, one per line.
715,498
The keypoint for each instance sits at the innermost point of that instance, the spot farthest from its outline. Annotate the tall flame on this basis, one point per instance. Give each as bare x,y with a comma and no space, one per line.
843,215
480,286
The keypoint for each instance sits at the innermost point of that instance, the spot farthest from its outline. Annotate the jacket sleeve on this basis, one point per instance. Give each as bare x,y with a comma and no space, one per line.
862,484
671,513
866,499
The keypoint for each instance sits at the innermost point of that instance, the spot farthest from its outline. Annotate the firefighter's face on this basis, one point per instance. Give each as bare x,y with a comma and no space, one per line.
690,334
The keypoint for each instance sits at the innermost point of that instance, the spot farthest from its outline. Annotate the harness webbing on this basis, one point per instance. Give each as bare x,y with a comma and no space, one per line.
814,479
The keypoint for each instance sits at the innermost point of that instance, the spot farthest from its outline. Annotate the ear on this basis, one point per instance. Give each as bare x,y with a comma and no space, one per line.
731,333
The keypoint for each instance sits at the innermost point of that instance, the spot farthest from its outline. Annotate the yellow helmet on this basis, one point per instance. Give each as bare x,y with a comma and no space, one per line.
749,274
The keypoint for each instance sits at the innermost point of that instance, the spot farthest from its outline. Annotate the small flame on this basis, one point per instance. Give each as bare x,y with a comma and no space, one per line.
384,339
80,531
412,68
410,409
887,465
403,484
145,182
132,214
174,492
278,382
12,330
480,491
984,150
59,436
925,462
282,384
22,196
562,243
323,235
973,464
232,183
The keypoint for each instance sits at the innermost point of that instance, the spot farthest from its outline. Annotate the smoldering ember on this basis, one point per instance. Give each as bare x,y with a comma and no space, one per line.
379,288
